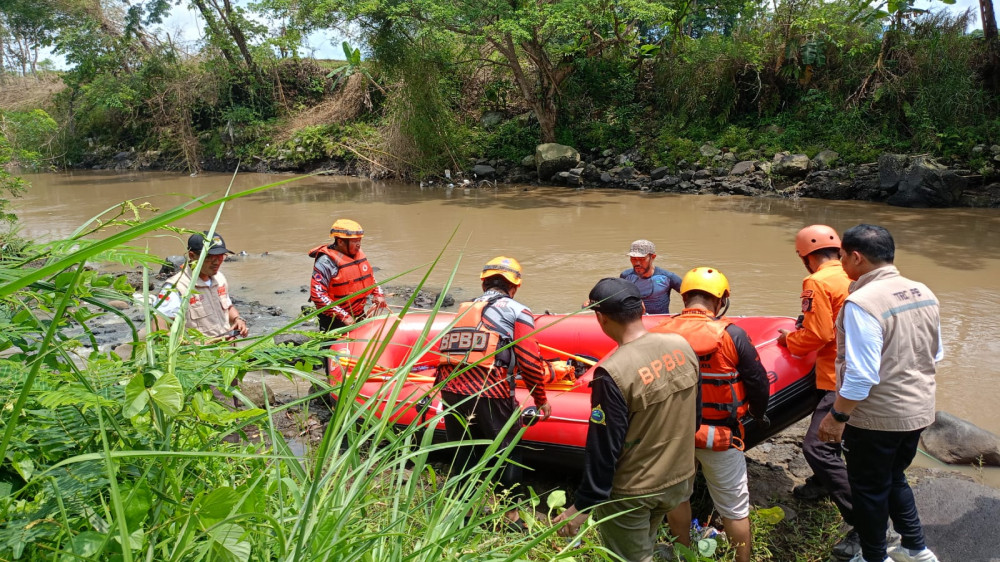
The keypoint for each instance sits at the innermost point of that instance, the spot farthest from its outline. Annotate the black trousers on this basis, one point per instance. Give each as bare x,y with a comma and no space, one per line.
875,464
825,460
482,418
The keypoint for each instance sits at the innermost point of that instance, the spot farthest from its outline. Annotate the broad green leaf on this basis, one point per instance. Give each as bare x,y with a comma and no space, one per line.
167,393
85,545
228,536
771,515
216,505
136,396
556,499
706,547
140,500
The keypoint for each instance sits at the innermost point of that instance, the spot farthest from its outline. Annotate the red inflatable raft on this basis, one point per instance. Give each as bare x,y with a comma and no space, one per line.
561,438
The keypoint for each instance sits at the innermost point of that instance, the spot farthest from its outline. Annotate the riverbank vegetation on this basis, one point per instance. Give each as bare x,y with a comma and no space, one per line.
425,86
137,454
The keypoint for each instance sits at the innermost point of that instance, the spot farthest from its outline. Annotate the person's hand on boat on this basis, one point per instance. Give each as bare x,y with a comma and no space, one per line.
783,337
544,411
347,320
574,519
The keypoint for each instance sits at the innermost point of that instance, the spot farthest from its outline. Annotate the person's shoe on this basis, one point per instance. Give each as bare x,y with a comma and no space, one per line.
812,490
860,558
848,547
902,554
892,538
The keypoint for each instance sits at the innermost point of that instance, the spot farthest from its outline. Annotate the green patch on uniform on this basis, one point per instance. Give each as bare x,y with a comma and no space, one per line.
597,415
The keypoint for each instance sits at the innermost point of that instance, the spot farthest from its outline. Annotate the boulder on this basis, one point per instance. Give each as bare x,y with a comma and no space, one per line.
891,168
928,183
173,265
606,177
528,161
825,159
791,165
292,340
743,168
552,158
256,392
956,441
708,150
491,118
659,173
484,171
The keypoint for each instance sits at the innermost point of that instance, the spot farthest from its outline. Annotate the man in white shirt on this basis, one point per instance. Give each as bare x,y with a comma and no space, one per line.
888,344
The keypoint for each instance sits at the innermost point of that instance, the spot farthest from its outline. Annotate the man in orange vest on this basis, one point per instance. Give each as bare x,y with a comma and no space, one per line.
823,294
341,271
489,341
733,384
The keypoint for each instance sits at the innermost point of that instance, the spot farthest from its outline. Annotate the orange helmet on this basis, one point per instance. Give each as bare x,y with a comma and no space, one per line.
509,268
707,279
815,237
346,228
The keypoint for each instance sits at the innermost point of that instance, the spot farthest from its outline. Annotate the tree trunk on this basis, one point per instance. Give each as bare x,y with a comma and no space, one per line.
542,103
989,19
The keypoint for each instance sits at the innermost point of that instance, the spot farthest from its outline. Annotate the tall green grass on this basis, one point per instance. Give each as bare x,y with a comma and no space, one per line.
135,459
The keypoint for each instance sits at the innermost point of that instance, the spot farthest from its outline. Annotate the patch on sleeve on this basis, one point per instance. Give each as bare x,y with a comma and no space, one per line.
807,304
597,416
807,294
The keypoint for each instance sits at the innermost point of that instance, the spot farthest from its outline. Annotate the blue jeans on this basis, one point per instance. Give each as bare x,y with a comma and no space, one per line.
876,461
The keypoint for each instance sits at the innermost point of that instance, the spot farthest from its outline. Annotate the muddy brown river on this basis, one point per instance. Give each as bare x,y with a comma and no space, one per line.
565,239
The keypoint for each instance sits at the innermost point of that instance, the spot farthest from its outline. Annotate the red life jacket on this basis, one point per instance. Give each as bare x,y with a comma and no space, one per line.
468,342
723,397
354,275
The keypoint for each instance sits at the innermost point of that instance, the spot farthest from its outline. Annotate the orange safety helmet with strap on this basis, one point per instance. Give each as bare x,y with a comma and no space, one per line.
346,228
815,237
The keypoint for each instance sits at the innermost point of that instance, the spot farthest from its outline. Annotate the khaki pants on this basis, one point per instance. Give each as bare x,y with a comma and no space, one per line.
632,532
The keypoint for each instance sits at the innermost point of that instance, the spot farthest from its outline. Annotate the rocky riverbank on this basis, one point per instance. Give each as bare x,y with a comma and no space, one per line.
919,181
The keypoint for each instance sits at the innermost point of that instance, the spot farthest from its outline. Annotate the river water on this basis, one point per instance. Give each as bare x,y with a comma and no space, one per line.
565,239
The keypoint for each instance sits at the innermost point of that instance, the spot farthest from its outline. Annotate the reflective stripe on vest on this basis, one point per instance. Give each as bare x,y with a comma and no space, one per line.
354,275
468,342
722,393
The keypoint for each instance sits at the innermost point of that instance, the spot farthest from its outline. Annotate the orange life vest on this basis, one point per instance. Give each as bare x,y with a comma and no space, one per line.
468,342
353,275
723,397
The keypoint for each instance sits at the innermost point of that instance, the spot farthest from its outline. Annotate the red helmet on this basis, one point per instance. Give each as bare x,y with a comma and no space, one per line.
815,237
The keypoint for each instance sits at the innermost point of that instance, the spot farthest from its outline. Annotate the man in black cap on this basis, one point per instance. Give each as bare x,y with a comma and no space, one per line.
639,457
210,310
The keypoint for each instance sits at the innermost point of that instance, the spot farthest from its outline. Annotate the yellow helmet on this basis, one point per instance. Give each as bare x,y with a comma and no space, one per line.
707,279
509,268
346,228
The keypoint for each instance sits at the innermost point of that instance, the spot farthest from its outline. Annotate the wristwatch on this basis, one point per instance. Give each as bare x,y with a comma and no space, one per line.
839,416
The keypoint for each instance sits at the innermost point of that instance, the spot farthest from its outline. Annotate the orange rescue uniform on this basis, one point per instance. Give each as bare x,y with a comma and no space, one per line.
823,294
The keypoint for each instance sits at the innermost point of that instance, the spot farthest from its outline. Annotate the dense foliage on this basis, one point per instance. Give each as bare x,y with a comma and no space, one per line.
439,82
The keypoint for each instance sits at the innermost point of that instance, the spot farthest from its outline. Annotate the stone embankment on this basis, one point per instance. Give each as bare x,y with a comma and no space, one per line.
897,179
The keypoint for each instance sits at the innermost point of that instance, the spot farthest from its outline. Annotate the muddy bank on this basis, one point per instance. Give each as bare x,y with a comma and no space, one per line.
919,181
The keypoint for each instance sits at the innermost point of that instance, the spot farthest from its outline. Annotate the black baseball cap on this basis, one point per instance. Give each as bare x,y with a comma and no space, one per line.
218,246
614,294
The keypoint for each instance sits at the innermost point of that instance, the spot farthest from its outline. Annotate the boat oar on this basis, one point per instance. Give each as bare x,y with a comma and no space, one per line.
583,360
